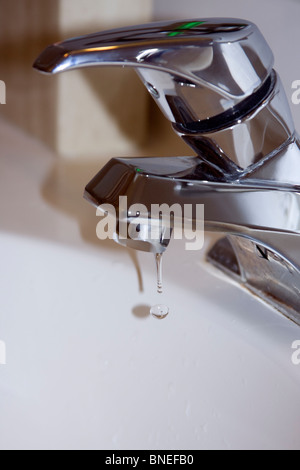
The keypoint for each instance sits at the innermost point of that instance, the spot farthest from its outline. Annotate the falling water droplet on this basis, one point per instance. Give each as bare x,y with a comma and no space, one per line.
158,260
159,311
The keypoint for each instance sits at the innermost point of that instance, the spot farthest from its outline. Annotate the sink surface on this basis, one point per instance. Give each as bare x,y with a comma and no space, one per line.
89,368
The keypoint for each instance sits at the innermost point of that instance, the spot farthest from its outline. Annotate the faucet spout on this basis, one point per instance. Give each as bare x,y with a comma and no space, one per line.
241,208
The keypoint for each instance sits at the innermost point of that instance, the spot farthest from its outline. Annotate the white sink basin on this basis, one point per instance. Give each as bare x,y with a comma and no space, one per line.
87,367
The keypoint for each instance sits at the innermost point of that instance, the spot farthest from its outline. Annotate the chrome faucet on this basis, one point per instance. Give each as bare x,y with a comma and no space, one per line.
214,80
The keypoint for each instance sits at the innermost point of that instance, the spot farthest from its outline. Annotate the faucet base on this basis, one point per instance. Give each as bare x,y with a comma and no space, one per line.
264,273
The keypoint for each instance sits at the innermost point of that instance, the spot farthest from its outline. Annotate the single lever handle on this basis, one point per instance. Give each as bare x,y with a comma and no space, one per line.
194,69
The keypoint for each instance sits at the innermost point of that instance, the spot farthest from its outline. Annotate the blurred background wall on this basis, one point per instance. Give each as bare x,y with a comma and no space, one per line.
76,114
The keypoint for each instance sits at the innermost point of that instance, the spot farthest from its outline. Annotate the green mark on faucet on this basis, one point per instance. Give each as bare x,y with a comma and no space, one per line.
139,170
184,27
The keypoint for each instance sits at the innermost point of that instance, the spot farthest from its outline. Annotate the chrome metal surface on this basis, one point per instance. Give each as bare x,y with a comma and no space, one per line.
245,259
199,68
249,140
241,208
214,80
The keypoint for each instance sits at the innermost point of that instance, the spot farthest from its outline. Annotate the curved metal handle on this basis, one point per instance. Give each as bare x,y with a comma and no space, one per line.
195,69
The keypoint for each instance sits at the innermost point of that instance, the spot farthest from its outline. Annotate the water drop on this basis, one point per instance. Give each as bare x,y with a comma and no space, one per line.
159,311
158,260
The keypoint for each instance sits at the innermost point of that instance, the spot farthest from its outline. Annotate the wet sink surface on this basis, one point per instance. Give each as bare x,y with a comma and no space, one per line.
88,367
